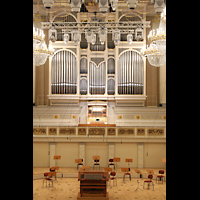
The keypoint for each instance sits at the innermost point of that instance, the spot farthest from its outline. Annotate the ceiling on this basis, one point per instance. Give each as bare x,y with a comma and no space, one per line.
61,7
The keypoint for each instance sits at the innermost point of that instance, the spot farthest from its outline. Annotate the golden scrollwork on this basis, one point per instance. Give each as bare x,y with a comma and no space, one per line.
126,131
140,131
39,131
155,131
111,131
67,131
52,131
82,131
96,131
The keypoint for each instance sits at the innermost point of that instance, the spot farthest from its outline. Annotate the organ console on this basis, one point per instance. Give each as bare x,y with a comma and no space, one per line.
93,184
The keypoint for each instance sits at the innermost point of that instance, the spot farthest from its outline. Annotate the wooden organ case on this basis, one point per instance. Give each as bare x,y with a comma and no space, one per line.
93,184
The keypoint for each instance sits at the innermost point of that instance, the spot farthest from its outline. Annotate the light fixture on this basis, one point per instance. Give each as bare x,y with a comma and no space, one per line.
52,34
38,36
66,38
138,34
41,53
113,4
103,5
129,38
76,36
102,35
75,5
90,36
116,36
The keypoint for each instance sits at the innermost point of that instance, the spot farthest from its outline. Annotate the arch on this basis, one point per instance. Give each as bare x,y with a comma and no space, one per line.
97,77
64,72
130,72
83,65
111,65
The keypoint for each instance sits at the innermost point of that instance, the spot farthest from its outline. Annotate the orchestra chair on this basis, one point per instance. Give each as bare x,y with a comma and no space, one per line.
79,162
160,177
112,177
54,169
49,178
150,176
96,161
126,172
111,163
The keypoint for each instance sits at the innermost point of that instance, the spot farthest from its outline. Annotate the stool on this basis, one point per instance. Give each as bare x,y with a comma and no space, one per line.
150,176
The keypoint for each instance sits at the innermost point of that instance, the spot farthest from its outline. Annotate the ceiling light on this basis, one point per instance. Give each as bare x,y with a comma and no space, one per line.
129,38
76,37
116,36
66,38
102,35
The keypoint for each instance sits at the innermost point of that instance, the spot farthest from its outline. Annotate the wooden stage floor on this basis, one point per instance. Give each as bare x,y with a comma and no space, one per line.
67,186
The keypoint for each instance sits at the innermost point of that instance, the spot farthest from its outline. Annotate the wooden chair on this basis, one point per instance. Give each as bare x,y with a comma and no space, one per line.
113,178
150,176
49,178
160,177
96,161
111,163
79,162
126,172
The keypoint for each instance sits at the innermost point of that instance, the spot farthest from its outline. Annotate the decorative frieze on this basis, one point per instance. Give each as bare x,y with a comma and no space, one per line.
126,131
39,131
67,131
81,131
53,131
96,131
140,131
111,131
155,131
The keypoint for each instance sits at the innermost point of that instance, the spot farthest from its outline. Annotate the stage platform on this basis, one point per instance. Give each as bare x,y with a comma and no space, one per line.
67,186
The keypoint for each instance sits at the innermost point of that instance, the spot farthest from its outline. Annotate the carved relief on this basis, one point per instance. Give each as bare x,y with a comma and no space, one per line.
67,131
82,131
140,131
96,131
111,131
52,131
155,131
125,131
39,131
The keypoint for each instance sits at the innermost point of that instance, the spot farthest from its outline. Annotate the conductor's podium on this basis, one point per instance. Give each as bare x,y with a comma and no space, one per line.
93,184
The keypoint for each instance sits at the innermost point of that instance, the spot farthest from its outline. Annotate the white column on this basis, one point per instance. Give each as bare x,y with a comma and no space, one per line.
33,80
140,155
111,150
82,151
52,153
162,88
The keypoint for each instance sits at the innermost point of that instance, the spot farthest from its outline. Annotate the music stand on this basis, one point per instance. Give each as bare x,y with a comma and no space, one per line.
84,168
108,169
129,160
57,158
138,172
116,160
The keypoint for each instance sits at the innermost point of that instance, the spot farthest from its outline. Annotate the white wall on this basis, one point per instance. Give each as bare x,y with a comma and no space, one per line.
70,151
96,149
41,156
156,151
124,151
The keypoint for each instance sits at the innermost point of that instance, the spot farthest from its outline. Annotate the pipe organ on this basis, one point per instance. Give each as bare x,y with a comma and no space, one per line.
93,77
131,68
64,73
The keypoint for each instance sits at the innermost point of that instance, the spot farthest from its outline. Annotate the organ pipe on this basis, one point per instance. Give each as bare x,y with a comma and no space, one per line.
131,66
64,73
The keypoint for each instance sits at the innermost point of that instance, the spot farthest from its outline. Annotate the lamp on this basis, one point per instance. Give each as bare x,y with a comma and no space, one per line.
76,37
66,38
116,36
90,36
129,38
102,35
